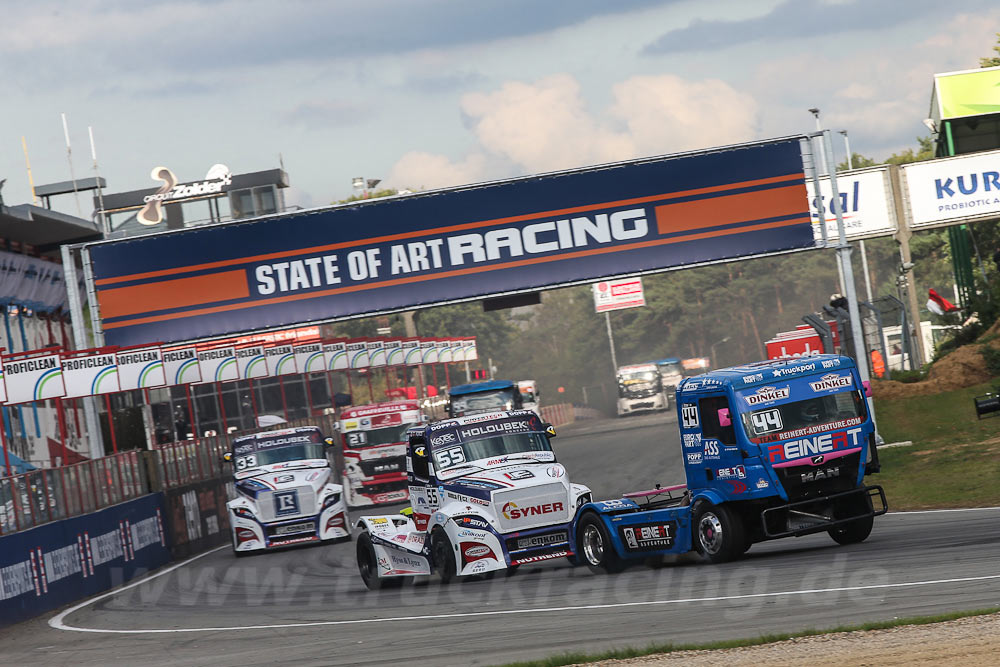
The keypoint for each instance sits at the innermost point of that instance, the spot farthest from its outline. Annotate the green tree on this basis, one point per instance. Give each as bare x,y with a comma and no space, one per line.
992,61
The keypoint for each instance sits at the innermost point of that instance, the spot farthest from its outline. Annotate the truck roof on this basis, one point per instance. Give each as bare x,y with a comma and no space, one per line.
765,372
475,387
480,418
378,409
275,434
635,368
667,360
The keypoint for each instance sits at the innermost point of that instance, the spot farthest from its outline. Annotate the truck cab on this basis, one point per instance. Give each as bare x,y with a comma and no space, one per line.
772,449
480,397
374,449
530,396
285,489
640,388
487,494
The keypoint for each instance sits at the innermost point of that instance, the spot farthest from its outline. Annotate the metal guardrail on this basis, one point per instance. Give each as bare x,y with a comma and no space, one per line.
41,496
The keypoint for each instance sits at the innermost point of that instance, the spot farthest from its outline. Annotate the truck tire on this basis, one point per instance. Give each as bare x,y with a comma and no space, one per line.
853,532
367,564
594,546
443,555
719,535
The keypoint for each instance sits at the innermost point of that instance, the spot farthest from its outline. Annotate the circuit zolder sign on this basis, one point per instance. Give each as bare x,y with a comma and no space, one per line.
452,245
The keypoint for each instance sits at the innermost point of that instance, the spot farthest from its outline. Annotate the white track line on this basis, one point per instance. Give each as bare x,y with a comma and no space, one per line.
58,621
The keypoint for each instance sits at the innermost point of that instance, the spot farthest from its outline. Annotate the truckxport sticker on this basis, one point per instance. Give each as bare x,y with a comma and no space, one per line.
652,536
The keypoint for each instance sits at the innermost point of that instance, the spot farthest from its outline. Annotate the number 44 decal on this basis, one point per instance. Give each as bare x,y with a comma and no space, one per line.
689,415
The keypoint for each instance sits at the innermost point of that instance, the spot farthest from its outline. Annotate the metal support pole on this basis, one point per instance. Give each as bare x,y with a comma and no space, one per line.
111,423
611,342
844,255
76,321
411,332
903,234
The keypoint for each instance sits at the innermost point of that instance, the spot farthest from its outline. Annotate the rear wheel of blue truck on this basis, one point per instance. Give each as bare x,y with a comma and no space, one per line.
594,546
719,535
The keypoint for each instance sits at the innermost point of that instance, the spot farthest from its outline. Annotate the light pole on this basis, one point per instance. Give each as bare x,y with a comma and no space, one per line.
861,243
715,363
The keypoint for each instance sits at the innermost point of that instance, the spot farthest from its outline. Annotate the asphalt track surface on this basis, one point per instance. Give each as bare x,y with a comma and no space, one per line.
308,606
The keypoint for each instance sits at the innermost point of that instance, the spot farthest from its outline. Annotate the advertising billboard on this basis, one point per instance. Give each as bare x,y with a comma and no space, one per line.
427,248
181,366
34,377
140,368
280,359
865,203
218,364
954,189
618,294
309,357
90,374
251,362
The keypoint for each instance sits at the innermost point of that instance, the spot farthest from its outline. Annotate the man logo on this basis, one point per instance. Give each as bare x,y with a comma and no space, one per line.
816,460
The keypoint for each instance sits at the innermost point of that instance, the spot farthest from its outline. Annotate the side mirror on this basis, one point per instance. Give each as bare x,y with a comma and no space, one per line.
550,430
329,442
724,418
868,387
227,457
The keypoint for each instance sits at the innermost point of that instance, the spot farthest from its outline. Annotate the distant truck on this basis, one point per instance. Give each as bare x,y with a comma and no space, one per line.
479,397
772,449
671,373
640,388
530,396
374,448
286,492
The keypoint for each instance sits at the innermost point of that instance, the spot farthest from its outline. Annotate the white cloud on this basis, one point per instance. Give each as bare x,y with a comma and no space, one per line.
425,171
667,114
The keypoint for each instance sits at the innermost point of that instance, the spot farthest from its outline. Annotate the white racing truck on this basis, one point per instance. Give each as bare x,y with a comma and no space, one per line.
285,491
486,493
640,388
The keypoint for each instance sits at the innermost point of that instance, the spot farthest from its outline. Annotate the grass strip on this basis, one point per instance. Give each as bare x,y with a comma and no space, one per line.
571,658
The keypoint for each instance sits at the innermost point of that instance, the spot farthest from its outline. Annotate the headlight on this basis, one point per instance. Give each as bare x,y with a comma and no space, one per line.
243,512
331,499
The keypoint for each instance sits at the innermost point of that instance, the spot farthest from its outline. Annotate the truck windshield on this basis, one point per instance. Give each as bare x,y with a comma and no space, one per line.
279,455
451,456
487,401
638,383
377,436
799,418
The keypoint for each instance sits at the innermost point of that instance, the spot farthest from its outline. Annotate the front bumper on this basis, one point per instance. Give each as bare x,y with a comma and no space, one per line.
807,516
253,535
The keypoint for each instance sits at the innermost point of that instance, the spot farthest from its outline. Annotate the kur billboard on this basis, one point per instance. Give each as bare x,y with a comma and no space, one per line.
451,245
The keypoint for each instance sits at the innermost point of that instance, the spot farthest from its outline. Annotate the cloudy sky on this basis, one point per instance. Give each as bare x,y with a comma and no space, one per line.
430,93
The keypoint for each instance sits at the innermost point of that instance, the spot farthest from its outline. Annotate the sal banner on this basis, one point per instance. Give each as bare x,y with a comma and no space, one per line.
357,353
181,366
428,351
33,378
376,353
309,357
90,374
251,362
393,352
140,368
218,365
444,246
281,359
444,350
412,355
336,355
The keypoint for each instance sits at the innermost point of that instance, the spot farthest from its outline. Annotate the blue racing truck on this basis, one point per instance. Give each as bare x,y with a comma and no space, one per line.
772,449
480,397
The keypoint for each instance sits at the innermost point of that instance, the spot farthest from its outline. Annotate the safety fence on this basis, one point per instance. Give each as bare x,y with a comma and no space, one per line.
42,496
559,414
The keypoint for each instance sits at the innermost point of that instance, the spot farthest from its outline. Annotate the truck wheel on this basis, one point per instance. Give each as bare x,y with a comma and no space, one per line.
594,546
443,555
367,565
718,533
853,532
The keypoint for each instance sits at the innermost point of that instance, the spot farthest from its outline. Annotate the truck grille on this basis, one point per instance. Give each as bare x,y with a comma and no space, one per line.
521,509
389,464
812,481
305,503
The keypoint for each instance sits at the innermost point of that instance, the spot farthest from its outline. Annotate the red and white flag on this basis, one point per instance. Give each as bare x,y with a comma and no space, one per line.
939,305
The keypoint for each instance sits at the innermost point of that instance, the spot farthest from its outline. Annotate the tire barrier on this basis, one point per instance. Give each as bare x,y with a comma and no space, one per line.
46,567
